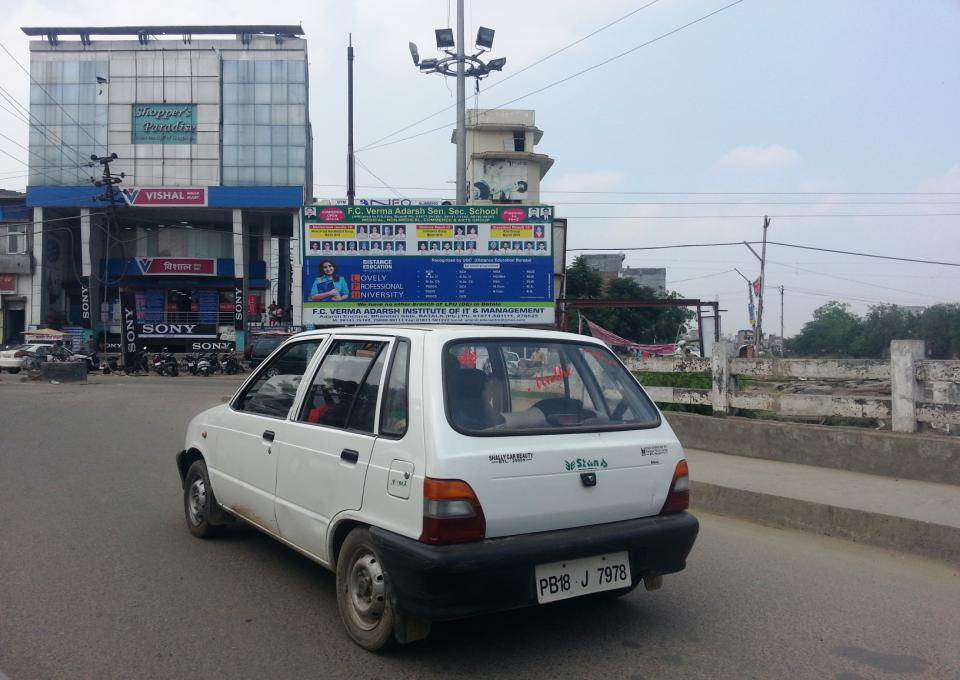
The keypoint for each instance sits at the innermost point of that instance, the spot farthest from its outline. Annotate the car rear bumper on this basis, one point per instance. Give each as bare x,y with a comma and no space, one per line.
455,581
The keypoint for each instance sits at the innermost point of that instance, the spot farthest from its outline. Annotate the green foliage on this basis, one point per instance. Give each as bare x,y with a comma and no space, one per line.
643,325
582,281
836,331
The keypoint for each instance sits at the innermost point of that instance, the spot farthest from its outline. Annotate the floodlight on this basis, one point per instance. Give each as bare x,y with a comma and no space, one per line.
485,38
428,64
444,38
415,54
496,64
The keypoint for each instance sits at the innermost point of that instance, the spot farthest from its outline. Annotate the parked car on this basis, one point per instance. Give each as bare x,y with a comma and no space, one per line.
262,345
437,489
12,359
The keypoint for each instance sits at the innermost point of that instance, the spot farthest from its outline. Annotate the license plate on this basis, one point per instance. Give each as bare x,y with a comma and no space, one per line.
571,578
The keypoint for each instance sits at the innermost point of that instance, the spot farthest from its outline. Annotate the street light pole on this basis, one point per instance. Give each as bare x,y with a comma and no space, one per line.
461,113
460,64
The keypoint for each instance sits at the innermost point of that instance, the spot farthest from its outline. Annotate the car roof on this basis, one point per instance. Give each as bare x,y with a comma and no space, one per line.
446,332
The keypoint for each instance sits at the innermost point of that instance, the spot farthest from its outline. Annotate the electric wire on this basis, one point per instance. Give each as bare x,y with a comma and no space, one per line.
515,73
688,193
569,77
778,243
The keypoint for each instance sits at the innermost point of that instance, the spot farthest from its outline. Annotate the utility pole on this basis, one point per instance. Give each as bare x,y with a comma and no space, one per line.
749,294
461,113
351,177
758,334
781,322
108,181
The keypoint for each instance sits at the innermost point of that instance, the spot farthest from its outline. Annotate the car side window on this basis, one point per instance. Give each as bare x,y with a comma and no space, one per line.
393,418
345,387
273,391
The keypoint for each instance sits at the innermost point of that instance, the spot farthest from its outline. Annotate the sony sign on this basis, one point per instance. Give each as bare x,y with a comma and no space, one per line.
85,302
238,304
168,328
128,332
160,329
213,346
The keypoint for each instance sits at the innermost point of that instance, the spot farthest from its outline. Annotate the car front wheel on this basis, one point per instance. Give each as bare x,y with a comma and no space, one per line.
199,501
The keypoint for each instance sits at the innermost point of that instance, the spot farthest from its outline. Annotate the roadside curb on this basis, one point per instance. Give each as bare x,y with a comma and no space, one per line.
886,531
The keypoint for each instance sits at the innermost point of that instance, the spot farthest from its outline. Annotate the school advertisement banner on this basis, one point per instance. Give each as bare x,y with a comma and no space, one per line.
427,264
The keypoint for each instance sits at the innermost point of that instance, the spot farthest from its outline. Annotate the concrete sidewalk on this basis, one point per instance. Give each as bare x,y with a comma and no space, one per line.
917,517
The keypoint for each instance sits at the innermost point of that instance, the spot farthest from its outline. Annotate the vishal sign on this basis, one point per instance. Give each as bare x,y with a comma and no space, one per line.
164,123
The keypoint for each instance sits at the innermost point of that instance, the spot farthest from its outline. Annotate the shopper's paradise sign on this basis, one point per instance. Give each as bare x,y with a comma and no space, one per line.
164,123
427,264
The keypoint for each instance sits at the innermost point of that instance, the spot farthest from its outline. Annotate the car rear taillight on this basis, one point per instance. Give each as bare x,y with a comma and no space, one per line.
451,512
678,499
19,354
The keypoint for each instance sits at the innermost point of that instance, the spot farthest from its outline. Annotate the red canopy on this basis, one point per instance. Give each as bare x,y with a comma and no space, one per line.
614,340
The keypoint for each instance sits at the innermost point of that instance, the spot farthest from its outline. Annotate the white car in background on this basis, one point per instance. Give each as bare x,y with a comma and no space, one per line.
12,359
436,482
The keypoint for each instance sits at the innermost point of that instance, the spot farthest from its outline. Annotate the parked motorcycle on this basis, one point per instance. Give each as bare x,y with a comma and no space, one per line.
232,365
190,363
164,363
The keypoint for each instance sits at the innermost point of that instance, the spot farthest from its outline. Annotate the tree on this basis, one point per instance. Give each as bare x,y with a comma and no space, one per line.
882,324
940,328
583,281
833,330
644,325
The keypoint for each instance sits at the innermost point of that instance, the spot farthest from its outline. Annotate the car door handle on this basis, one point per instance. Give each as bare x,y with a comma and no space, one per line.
349,455
268,435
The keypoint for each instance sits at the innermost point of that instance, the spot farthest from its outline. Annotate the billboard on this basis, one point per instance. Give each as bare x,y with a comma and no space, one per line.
489,264
163,123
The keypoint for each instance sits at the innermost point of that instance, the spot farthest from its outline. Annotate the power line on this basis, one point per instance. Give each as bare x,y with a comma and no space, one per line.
777,243
49,96
377,177
516,73
571,76
740,217
694,193
862,283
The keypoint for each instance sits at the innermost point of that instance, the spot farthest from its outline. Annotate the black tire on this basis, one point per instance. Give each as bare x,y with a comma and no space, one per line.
199,501
363,593
14,370
174,372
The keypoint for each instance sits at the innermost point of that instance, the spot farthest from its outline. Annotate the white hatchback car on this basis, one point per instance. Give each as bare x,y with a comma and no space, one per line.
437,483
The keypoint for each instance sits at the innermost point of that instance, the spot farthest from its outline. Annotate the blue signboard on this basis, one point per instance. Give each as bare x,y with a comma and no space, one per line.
433,264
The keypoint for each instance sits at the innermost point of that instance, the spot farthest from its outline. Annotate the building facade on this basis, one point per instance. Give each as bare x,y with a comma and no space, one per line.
502,166
16,264
648,277
213,147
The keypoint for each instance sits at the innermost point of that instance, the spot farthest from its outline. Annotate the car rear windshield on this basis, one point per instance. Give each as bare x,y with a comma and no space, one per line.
540,387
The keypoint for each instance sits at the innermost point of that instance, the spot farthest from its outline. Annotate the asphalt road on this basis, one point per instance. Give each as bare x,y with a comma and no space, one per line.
99,578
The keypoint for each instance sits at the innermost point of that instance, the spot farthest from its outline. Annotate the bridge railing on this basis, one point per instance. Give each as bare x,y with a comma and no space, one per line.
906,390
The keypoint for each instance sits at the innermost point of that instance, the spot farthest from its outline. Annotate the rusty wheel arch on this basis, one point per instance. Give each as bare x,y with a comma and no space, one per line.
340,533
185,460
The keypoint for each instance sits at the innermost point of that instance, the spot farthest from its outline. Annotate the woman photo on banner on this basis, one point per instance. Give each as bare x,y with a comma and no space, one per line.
329,286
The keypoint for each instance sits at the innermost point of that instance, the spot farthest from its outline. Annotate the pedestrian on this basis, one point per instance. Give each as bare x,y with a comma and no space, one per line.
272,312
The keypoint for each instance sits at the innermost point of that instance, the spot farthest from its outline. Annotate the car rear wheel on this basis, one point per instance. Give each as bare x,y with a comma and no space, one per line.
14,370
199,501
363,593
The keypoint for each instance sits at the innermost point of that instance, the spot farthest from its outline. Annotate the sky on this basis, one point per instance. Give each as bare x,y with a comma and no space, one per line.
848,107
